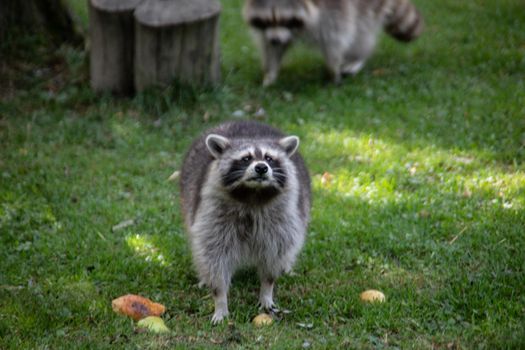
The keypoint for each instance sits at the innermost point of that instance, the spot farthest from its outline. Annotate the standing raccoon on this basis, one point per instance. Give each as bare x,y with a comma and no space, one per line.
246,201
346,31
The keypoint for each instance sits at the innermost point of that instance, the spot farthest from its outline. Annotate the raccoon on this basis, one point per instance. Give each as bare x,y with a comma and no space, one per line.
245,195
346,31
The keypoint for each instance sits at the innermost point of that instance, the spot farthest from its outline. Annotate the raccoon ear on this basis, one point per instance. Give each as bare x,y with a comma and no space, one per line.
290,144
217,144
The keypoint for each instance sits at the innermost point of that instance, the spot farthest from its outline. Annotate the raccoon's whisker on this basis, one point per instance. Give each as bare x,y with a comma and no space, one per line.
234,173
232,176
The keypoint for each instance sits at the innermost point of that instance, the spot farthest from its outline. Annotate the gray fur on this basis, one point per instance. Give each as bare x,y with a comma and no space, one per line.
247,222
345,31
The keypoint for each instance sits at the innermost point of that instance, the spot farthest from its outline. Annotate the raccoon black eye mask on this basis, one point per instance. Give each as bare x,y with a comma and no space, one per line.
245,194
263,167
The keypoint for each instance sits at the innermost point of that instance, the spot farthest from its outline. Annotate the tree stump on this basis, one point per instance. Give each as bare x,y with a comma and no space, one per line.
177,40
112,32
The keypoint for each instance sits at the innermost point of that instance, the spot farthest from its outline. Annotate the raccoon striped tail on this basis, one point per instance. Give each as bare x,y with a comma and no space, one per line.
404,21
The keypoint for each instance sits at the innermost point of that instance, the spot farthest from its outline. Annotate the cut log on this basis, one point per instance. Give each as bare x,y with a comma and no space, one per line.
177,40
112,32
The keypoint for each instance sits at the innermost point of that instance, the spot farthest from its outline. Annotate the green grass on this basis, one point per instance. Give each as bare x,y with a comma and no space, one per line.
426,148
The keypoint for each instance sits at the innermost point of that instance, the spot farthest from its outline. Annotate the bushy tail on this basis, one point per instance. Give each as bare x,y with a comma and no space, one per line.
403,21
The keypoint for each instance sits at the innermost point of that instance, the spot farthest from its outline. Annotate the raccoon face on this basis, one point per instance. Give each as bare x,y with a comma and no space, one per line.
277,20
252,171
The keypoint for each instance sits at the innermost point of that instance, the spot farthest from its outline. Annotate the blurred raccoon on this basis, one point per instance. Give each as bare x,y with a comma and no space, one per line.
346,31
245,194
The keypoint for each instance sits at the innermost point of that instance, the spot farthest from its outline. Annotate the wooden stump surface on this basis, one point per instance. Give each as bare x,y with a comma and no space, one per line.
160,13
177,40
112,32
115,5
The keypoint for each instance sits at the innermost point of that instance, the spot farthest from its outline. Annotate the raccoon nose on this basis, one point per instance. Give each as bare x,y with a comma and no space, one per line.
275,41
261,169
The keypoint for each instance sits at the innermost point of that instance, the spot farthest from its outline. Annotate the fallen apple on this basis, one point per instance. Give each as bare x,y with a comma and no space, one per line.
262,320
154,324
136,307
372,296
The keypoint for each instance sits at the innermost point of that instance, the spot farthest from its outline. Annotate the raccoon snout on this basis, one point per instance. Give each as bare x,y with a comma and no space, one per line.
278,36
261,168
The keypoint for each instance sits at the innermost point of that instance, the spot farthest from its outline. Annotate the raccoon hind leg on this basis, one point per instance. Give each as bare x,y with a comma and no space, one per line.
358,53
334,55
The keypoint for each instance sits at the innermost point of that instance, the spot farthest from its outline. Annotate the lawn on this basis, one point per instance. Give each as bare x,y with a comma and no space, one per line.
423,197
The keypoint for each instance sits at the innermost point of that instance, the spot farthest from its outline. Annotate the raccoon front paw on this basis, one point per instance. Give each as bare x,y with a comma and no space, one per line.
218,317
269,306
269,79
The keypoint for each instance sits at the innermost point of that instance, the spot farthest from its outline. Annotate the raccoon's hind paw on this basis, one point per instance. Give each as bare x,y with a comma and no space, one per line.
352,68
218,317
